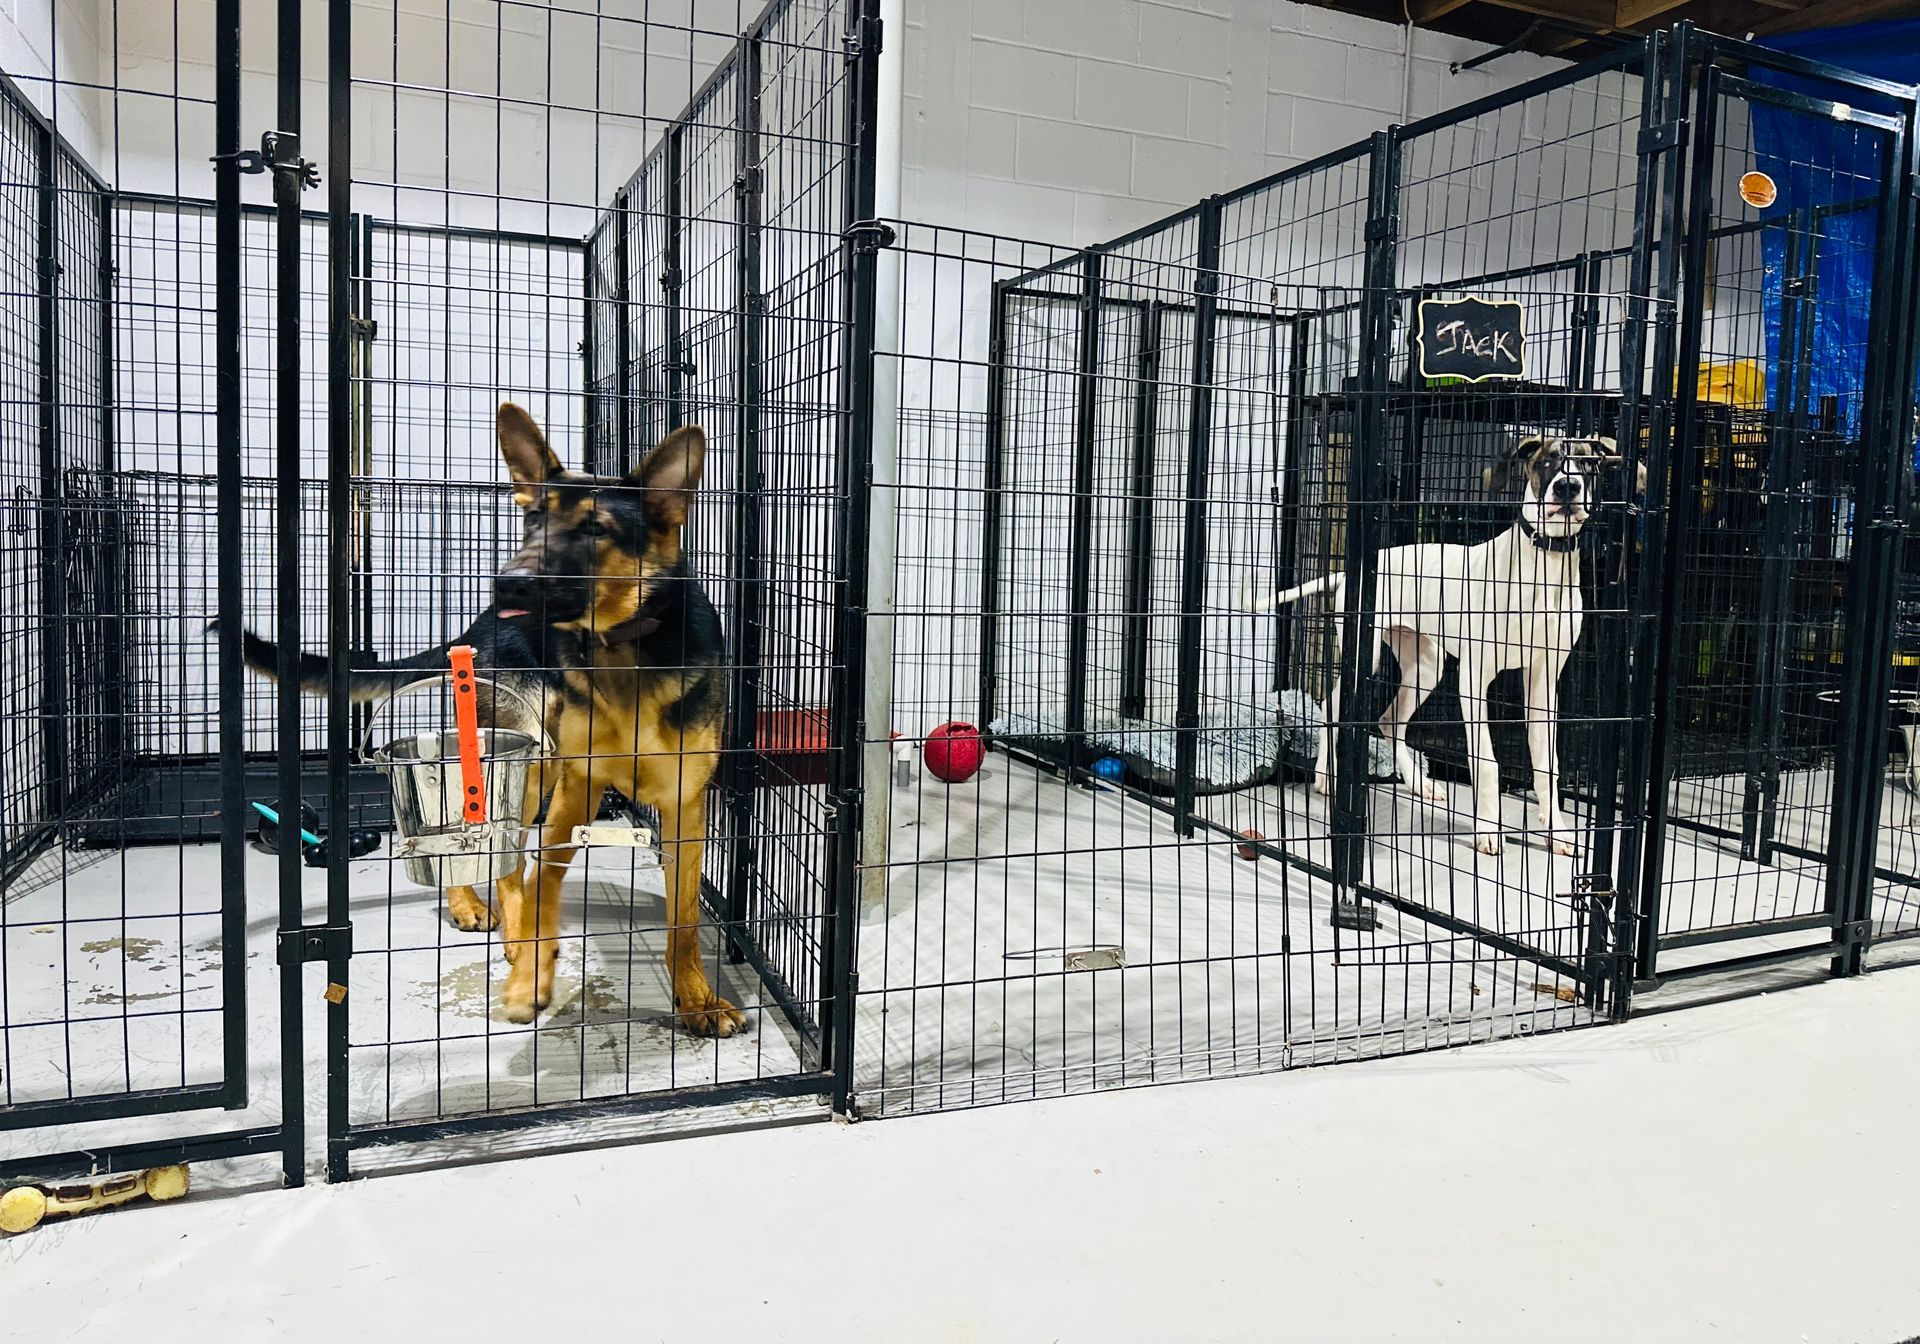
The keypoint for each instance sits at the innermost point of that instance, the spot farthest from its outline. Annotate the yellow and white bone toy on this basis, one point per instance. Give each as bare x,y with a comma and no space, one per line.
22,1208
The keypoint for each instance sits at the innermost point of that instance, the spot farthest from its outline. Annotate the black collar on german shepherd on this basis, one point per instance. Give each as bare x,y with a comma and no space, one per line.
597,617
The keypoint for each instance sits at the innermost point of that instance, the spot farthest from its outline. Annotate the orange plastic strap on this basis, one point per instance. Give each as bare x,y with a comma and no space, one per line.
466,719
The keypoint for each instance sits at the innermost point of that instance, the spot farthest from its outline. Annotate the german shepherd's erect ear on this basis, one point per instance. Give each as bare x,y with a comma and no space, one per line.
669,475
1511,464
530,461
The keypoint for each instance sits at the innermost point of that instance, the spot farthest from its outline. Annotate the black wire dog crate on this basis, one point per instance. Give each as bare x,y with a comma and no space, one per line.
948,477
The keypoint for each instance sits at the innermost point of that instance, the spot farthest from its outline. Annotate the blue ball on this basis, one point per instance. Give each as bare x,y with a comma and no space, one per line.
1110,767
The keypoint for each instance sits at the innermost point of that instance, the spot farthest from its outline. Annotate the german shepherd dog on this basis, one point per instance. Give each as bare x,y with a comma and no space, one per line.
597,618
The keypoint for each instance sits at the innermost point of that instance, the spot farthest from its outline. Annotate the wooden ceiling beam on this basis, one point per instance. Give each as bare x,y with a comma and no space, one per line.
1596,15
1833,14
1426,11
1633,13
1560,44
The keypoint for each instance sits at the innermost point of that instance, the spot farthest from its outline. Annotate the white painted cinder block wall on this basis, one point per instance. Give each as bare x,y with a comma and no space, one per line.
1061,120
33,47
1075,120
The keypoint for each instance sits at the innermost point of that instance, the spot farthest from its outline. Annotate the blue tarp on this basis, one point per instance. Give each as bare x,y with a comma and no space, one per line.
1825,166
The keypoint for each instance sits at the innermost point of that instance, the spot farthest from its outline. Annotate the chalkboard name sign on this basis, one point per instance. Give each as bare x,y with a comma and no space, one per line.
1475,340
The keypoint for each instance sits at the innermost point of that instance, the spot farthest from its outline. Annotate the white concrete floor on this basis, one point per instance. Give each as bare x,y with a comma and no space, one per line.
1745,1171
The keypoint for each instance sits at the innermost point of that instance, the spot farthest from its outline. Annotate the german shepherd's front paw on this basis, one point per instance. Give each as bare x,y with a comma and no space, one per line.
711,1015
469,911
516,1000
529,986
1487,842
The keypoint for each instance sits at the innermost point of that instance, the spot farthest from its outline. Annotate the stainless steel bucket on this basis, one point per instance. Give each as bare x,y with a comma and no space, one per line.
438,847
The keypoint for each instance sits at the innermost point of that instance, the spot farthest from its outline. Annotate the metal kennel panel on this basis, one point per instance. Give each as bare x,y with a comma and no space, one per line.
128,986
1773,721
718,178
30,801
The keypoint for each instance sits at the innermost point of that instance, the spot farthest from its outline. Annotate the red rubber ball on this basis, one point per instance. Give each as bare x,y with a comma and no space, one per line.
954,752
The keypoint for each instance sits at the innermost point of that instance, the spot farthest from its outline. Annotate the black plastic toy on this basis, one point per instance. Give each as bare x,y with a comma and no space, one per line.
313,848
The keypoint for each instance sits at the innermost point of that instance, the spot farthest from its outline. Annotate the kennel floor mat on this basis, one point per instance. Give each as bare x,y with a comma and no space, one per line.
108,988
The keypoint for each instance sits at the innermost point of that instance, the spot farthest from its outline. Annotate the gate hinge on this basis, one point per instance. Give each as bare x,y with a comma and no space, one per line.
749,183
864,40
364,328
1660,138
316,942
1206,282
50,269
1857,932
1386,226
870,236
853,798
670,279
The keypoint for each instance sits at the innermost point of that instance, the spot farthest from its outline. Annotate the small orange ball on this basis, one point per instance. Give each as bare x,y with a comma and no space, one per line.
1248,852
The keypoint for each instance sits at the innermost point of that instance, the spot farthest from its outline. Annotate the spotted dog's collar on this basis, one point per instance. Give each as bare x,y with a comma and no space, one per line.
1564,545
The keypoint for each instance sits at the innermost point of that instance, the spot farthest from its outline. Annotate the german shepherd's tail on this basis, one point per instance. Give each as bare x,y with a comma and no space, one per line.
366,680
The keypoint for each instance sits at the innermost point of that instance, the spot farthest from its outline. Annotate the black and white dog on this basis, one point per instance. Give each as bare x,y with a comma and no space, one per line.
1509,603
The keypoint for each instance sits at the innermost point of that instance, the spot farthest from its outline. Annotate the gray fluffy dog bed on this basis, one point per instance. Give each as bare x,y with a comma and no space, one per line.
1236,750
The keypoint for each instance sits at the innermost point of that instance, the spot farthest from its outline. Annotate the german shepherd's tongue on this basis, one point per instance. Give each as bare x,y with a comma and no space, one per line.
508,613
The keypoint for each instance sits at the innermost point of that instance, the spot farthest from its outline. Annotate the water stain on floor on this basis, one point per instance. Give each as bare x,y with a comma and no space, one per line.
473,990
133,949
108,999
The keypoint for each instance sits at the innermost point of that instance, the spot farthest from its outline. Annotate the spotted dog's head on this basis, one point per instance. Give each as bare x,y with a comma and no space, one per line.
1559,479
596,549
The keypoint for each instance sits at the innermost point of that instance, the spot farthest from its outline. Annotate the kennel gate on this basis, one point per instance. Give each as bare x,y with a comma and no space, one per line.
78,898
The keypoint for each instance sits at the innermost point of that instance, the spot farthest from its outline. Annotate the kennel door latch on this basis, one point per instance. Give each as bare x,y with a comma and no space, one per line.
280,151
314,942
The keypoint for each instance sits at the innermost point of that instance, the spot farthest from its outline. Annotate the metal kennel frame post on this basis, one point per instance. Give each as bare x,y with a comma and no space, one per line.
864,238
1206,306
1080,522
1366,482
